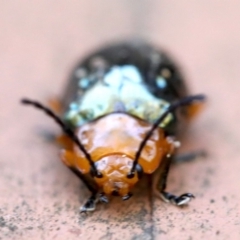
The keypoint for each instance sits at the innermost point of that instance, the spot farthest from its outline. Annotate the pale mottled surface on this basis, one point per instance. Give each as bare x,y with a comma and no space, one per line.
40,41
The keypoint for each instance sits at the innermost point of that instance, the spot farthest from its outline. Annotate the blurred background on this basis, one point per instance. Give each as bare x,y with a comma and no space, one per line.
41,41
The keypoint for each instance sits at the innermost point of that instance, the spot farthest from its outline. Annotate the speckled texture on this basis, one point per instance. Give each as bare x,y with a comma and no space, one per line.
40,42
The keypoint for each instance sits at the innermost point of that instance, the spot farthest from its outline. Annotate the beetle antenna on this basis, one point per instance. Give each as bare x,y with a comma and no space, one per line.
65,129
182,102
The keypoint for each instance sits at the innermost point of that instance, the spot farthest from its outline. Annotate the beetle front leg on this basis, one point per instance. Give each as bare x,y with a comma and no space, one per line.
68,158
160,183
90,204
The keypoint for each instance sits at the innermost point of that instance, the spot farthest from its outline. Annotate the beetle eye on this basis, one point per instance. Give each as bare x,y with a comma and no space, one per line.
139,170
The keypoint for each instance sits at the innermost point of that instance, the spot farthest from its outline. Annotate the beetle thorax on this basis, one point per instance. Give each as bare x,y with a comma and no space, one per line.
121,134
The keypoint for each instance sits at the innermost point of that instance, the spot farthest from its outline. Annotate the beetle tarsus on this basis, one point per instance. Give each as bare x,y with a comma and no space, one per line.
177,200
90,205
103,198
126,197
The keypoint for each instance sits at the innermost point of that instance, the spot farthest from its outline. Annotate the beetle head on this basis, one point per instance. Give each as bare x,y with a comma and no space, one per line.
114,170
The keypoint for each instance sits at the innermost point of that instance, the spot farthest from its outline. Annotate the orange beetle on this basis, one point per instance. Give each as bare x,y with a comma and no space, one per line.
122,111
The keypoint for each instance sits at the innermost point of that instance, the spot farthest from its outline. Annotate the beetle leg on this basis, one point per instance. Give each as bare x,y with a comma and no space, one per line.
90,204
177,200
103,198
159,186
68,160
188,157
126,197
160,177
89,186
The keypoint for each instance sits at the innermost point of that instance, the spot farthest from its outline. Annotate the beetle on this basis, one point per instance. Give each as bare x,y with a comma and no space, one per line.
121,113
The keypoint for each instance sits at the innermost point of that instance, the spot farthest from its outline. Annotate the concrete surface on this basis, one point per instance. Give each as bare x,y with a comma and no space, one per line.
40,41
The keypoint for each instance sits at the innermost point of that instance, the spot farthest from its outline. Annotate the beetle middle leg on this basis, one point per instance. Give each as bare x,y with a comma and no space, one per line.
188,157
160,183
